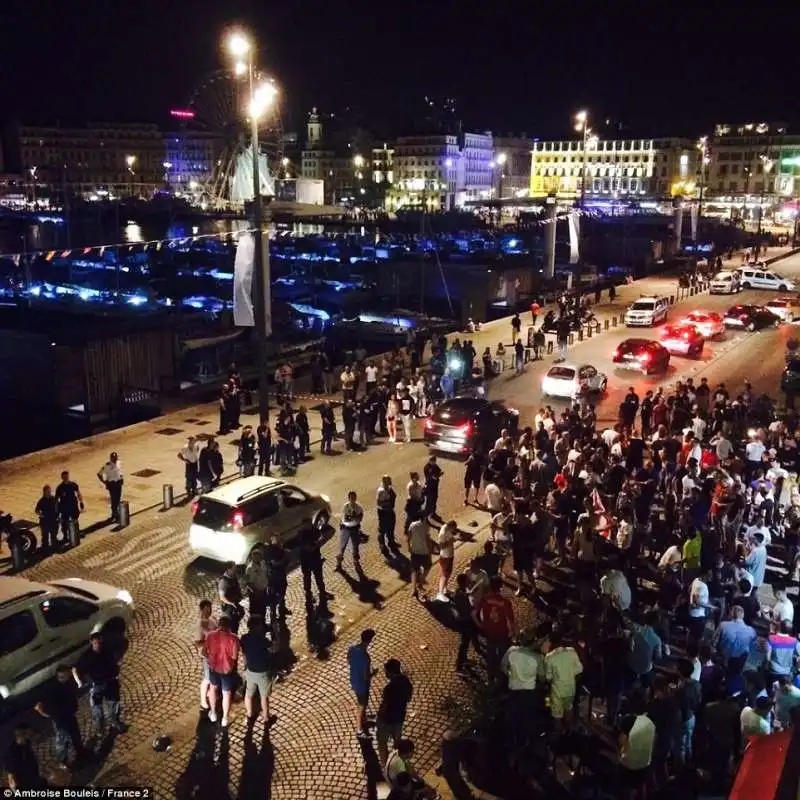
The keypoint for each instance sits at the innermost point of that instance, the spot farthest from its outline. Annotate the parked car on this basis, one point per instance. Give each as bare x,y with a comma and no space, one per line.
571,381
43,625
644,355
754,278
232,520
750,317
459,424
683,340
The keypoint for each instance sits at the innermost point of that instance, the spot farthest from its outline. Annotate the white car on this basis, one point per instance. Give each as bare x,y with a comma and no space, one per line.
755,278
726,282
708,323
43,625
647,311
787,308
233,520
571,381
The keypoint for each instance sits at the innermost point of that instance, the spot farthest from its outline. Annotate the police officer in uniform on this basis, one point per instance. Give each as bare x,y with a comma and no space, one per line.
433,474
264,436
47,512
328,427
311,566
70,503
246,457
385,500
110,475
229,592
350,529
190,455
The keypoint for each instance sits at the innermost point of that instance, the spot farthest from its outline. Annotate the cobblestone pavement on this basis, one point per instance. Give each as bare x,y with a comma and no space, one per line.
312,752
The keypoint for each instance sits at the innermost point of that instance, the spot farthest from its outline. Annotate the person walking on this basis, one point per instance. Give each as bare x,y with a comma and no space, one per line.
60,706
350,529
110,475
406,414
419,546
519,357
189,454
311,566
257,670
205,624
361,674
433,474
516,327
70,504
447,543
391,716
98,668
414,500
47,512
222,650
385,499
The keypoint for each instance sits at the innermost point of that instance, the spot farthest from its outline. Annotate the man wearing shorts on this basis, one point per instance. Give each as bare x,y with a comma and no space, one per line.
561,667
257,672
419,546
222,652
361,672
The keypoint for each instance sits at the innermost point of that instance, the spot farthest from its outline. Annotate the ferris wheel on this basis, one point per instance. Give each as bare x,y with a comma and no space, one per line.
219,102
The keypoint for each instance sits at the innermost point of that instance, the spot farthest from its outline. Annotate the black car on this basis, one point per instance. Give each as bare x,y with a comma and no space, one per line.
644,355
459,424
750,317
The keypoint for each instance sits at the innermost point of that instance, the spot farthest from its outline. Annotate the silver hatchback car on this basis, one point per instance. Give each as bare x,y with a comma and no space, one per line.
233,519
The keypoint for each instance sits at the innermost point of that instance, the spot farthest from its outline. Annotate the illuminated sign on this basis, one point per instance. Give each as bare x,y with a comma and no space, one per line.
181,113
791,162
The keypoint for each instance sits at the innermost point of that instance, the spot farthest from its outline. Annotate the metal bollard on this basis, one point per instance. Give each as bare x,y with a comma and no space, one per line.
17,552
605,325
580,335
571,339
124,514
589,332
550,347
168,496
672,299
614,322
528,355
73,533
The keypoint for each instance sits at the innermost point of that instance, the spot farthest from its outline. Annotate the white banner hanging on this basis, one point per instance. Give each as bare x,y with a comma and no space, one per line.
243,282
574,237
694,222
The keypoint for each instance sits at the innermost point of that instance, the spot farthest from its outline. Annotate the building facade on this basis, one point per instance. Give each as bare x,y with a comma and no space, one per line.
614,168
512,157
190,158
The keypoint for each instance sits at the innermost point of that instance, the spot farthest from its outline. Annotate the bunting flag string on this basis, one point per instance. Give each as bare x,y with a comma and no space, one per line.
123,247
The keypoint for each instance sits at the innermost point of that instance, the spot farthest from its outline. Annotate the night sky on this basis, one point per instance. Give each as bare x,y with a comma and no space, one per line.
512,66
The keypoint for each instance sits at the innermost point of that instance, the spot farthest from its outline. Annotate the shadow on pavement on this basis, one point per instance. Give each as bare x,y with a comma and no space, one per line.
372,768
258,767
365,588
207,774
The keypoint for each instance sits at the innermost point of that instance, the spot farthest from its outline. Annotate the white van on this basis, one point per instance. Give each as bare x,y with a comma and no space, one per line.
755,278
726,282
647,311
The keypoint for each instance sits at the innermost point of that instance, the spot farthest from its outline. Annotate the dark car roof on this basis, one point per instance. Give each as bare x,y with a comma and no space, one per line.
459,408
636,344
743,307
685,327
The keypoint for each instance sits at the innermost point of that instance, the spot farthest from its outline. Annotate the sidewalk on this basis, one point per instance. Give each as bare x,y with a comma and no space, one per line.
148,450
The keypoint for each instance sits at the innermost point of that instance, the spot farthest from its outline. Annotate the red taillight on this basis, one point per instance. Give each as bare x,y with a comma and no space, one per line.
644,358
466,430
615,353
428,424
237,521
686,335
195,506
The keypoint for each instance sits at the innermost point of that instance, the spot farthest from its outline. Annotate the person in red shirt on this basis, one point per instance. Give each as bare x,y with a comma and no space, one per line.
534,312
494,616
222,651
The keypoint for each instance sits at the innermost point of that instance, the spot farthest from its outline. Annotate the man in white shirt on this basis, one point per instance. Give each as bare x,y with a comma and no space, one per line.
190,455
783,610
698,427
753,453
371,376
698,606
110,475
636,739
724,448
755,721
494,498
522,665
672,557
615,585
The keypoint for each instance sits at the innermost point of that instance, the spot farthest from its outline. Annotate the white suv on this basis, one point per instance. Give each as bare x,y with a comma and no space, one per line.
764,279
43,625
726,282
647,311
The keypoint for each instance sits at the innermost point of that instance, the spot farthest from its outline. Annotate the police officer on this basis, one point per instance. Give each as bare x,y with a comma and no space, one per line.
277,561
110,475
229,593
350,529
311,566
303,432
264,436
246,456
433,474
328,427
385,500
70,503
190,455
47,512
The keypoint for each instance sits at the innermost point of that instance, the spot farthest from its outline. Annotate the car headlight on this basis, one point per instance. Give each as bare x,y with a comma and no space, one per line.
5,691
125,596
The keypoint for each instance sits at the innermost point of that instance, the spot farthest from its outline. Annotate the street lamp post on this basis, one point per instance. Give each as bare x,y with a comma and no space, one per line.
582,125
746,192
261,98
33,171
130,162
501,160
767,164
702,146
167,167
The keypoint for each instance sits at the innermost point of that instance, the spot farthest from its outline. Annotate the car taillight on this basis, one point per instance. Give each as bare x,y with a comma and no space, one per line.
615,353
195,506
465,430
237,521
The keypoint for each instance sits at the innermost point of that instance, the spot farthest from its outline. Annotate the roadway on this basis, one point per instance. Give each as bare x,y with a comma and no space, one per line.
313,752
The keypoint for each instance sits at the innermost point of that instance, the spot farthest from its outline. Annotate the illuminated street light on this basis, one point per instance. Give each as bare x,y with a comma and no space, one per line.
240,68
239,44
130,161
501,158
358,161
767,164
262,99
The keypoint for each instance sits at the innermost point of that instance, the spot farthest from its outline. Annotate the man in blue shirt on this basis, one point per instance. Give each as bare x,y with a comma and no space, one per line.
734,638
361,673
756,561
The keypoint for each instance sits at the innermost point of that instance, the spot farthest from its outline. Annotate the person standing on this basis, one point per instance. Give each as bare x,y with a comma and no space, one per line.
255,580
561,668
371,377
350,529
494,616
277,560
473,473
361,674
110,475
190,455
516,327
392,413
348,382
385,500
205,625
246,455
20,763
419,546
391,716
257,670
47,512
303,432
60,706
414,500
465,623
229,594
311,566
98,667
264,442
222,650
205,467
406,414
328,422
349,412
519,357
224,410
433,474
562,337
70,504
447,543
